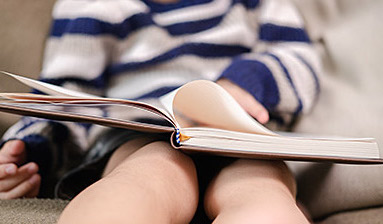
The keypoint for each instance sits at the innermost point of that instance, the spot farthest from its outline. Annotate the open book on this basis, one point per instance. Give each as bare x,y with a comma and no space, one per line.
223,127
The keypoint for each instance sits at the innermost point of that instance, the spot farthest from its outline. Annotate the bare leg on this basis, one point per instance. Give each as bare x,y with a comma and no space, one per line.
155,184
253,191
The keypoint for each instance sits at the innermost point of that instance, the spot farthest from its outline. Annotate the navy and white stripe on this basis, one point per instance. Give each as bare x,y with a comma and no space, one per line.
178,136
139,49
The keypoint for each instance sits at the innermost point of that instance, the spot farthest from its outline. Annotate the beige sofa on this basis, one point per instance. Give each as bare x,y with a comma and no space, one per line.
24,27
348,34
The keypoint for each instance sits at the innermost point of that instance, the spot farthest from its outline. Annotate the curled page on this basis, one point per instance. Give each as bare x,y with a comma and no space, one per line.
207,103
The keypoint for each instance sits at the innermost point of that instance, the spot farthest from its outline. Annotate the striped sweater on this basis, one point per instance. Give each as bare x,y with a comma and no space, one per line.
139,49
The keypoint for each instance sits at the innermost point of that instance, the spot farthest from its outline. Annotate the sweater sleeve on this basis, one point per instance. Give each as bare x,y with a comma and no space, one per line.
77,55
282,70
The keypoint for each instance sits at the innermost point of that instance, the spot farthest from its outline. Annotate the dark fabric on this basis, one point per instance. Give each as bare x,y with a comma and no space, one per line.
208,167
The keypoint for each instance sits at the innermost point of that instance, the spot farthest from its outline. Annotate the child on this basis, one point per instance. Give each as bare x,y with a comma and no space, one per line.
258,51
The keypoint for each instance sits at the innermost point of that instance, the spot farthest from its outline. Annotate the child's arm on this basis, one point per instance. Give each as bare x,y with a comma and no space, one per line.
281,71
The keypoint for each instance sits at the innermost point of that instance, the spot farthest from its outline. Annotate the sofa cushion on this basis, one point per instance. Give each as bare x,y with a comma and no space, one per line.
32,211
370,216
349,35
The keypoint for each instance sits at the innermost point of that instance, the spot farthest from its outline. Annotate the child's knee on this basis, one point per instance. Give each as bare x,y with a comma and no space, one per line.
244,180
164,152
167,161
164,170
177,167
257,171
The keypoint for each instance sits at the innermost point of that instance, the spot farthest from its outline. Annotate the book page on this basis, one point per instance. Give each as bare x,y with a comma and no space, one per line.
103,113
46,87
25,102
208,104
